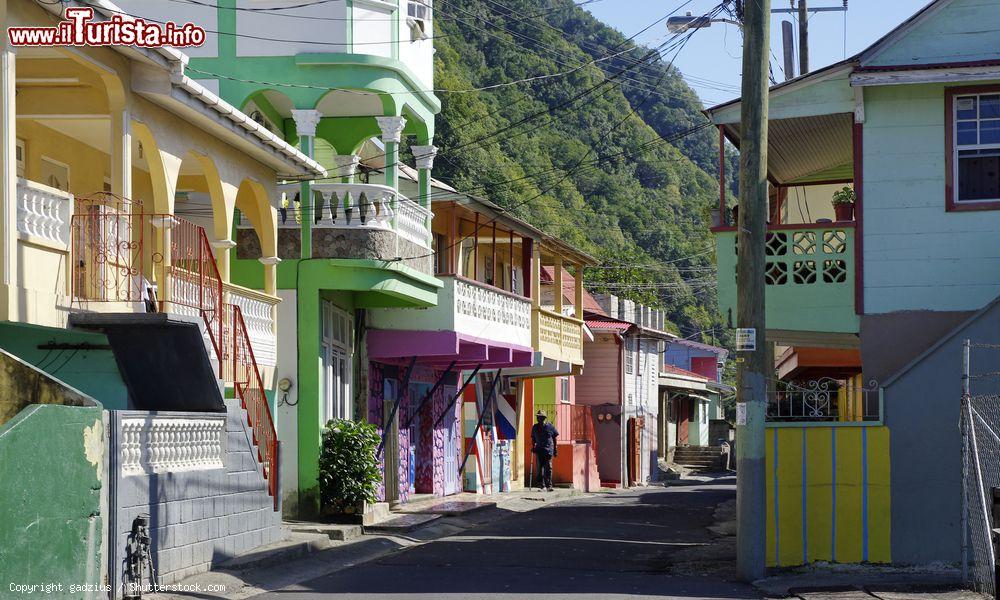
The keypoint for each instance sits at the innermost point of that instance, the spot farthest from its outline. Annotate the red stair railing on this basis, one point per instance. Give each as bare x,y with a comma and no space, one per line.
249,388
117,255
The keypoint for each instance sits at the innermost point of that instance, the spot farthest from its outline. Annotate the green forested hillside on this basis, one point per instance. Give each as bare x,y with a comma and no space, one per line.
572,154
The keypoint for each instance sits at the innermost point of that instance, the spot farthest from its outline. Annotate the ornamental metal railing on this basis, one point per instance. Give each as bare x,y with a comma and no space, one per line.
824,400
161,262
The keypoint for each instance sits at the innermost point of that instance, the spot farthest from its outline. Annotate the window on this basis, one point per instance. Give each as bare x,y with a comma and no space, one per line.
336,354
564,390
440,250
629,356
973,169
418,16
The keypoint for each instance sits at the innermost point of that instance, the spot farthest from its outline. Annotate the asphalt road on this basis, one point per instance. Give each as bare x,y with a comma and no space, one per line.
647,543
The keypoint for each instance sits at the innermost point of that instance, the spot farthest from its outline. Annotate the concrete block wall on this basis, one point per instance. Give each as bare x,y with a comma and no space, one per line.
197,518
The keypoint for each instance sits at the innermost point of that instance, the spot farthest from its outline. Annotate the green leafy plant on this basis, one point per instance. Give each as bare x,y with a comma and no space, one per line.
348,470
844,195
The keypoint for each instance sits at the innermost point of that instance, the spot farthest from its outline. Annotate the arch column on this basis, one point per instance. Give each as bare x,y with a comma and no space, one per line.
347,166
305,125
424,156
392,134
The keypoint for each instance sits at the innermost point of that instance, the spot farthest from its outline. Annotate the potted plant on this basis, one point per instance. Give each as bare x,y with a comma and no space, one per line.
843,203
348,469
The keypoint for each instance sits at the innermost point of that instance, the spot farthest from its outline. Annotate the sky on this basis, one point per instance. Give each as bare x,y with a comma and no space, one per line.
711,59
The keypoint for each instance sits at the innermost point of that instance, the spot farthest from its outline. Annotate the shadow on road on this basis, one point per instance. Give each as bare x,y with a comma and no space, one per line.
653,542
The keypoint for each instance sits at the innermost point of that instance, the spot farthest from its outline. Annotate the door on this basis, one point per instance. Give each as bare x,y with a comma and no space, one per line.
452,481
683,405
636,425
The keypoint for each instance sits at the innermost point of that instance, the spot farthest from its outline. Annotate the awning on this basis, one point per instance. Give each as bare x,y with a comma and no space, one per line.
441,348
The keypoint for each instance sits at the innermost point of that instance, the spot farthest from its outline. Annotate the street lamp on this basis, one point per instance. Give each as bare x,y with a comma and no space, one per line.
689,21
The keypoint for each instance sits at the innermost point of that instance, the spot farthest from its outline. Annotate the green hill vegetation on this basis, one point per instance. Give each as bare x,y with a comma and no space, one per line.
583,155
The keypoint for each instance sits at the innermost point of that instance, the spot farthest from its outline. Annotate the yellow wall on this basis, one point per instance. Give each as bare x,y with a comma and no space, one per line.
87,167
827,495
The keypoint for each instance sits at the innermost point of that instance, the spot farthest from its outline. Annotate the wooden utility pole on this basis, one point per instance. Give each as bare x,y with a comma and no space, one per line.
786,49
753,367
803,37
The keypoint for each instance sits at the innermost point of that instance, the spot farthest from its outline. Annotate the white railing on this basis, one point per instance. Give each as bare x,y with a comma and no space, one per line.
151,443
412,221
356,206
488,312
43,212
258,314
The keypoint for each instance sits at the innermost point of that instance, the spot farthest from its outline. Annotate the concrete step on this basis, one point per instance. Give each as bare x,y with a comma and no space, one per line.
444,507
403,523
296,545
336,532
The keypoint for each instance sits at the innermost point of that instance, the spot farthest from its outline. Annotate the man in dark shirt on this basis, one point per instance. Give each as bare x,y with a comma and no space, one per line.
543,444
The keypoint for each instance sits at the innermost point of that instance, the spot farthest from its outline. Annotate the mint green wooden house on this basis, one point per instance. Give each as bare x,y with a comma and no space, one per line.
869,310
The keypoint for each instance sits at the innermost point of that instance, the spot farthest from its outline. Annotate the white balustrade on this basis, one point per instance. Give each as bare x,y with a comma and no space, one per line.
258,315
357,206
43,212
151,443
411,222
484,311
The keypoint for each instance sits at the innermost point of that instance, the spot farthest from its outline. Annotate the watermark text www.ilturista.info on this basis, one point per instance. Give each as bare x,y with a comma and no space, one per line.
78,28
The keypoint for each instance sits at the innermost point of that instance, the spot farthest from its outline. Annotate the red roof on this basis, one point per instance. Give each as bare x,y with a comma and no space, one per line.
602,325
683,372
548,275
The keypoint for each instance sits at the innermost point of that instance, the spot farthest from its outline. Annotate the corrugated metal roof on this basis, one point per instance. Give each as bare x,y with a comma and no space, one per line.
672,370
601,325
803,148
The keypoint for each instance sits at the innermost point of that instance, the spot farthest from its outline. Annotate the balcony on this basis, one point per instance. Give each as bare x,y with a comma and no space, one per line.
43,214
473,323
809,277
351,221
557,336
824,401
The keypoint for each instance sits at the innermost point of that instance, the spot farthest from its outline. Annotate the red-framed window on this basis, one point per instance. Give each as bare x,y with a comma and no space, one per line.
972,148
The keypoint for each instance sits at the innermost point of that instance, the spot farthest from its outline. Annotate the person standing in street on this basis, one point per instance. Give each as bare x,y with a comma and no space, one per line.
543,444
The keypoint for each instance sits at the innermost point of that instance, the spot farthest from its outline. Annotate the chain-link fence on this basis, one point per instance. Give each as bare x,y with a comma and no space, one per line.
981,467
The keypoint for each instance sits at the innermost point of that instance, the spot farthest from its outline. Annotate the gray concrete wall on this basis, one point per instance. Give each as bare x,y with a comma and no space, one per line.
369,244
891,341
922,408
198,518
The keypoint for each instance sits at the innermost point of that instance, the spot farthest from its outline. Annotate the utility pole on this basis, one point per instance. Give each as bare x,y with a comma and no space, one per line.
803,37
786,48
753,367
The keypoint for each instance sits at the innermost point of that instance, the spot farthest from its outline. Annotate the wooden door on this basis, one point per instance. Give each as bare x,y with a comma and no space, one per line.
634,434
683,405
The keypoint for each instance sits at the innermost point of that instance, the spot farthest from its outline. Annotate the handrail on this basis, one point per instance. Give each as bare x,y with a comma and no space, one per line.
249,388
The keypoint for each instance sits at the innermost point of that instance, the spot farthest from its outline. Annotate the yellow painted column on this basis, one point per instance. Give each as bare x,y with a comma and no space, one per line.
8,176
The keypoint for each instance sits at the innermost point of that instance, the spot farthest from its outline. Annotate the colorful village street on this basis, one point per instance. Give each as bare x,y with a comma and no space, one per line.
548,299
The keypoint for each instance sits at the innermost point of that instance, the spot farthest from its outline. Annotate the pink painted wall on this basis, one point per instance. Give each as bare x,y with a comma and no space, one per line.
600,382
706,366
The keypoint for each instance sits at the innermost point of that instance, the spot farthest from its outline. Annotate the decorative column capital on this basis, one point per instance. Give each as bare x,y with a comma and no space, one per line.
223,244
347,164
424,156
392,128
306,121
269,260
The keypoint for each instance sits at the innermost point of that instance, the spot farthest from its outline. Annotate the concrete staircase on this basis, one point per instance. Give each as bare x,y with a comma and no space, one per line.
700,458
